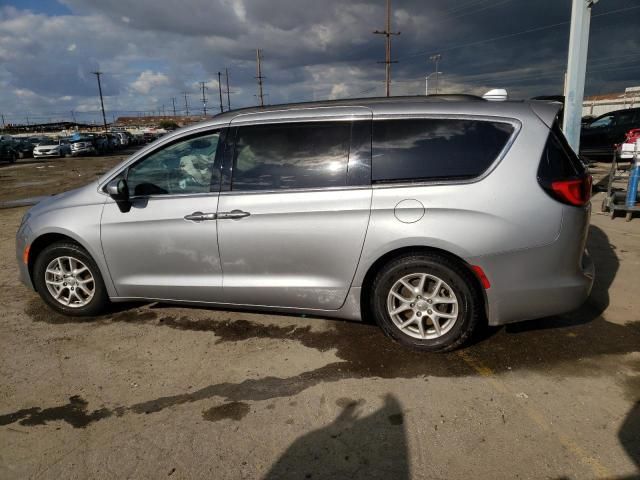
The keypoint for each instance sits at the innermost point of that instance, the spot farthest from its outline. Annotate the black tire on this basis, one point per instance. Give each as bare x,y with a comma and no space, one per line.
100,300
458,278
604,207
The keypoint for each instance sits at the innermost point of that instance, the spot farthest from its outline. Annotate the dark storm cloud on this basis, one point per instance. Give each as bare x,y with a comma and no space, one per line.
154,49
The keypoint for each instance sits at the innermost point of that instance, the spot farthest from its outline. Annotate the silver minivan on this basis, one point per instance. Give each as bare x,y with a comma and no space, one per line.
430,215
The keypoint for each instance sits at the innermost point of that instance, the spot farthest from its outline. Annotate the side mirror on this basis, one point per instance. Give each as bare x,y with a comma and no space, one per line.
119,191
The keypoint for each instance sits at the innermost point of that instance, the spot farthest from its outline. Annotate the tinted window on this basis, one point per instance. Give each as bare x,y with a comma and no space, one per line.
559,161
625,118
183,167
435,148
304,155
602,122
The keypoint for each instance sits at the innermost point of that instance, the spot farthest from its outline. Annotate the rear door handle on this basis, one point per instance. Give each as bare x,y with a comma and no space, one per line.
233,214
200,217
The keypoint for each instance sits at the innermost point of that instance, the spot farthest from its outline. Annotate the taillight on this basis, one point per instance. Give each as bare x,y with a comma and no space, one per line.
576,192
561,173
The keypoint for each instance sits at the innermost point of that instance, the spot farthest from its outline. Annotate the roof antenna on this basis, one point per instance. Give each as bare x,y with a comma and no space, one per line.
496,95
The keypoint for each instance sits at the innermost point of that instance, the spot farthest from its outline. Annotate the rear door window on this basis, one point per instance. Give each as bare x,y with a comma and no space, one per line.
435,149
291,156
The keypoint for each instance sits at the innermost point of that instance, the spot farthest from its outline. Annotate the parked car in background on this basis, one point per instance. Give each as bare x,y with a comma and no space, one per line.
52,148
432,215
121,138
8,152
83,146
599,138
23,147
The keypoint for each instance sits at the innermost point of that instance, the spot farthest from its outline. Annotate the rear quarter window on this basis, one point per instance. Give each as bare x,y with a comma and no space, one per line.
435,149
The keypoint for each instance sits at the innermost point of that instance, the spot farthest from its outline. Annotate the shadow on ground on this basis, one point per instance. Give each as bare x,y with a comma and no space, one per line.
570,344
353,446
629,434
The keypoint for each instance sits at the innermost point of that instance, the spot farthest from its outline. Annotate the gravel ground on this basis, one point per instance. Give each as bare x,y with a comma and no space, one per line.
151,391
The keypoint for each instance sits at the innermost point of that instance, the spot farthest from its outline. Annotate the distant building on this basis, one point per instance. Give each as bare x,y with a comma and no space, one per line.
154,121
597,105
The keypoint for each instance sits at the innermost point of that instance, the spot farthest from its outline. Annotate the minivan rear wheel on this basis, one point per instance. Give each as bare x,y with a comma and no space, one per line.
68,280
426,302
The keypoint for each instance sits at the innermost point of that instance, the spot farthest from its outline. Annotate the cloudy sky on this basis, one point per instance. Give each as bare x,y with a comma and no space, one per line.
153,50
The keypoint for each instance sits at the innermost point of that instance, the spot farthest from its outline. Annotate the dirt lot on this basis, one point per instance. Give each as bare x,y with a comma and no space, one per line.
152,391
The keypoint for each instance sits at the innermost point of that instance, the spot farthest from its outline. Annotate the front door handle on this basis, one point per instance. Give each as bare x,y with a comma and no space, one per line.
234,214
200,217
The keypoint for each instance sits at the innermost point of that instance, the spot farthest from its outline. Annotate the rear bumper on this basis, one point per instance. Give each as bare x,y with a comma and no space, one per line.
542,281
538,298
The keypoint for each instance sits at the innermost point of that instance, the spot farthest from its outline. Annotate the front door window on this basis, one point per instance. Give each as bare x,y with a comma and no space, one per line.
180,168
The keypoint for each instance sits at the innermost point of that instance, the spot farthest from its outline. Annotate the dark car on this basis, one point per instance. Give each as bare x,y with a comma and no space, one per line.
23,148
7,152
599,138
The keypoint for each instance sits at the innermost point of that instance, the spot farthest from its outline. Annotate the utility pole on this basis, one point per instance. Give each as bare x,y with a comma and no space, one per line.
259,76
226,73
220,91
3,124
436,58
387,60
104,118
163,110
203,87
173,101
576,70
186,103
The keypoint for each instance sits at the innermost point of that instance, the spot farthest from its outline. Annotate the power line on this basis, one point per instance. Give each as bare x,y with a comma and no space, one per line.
203,86
436,59
259,76
515,34
186,103
228,92
220,92
473,12
104,118
387,60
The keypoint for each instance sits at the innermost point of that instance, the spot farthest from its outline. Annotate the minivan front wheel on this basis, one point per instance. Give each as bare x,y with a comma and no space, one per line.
426,302
68,280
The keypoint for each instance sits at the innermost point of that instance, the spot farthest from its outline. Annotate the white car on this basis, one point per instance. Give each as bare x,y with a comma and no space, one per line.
52,148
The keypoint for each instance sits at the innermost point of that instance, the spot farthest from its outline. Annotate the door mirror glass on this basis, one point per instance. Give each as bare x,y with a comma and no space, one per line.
119,191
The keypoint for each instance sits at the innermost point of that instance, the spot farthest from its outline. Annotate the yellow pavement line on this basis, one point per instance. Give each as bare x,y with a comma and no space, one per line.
598,469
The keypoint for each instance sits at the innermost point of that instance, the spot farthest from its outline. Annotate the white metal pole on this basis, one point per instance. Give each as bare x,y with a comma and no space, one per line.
576,70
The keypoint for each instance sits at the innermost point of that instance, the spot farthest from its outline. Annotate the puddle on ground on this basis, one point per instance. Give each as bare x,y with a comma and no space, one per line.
74,413
564,345
233,411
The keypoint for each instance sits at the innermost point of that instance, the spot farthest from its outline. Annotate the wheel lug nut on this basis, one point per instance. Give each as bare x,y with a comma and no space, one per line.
419,297
412,305
429,301
429,312
419,314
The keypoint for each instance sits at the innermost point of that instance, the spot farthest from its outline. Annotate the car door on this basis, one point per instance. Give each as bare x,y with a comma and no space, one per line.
294,213
595,138
165,246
